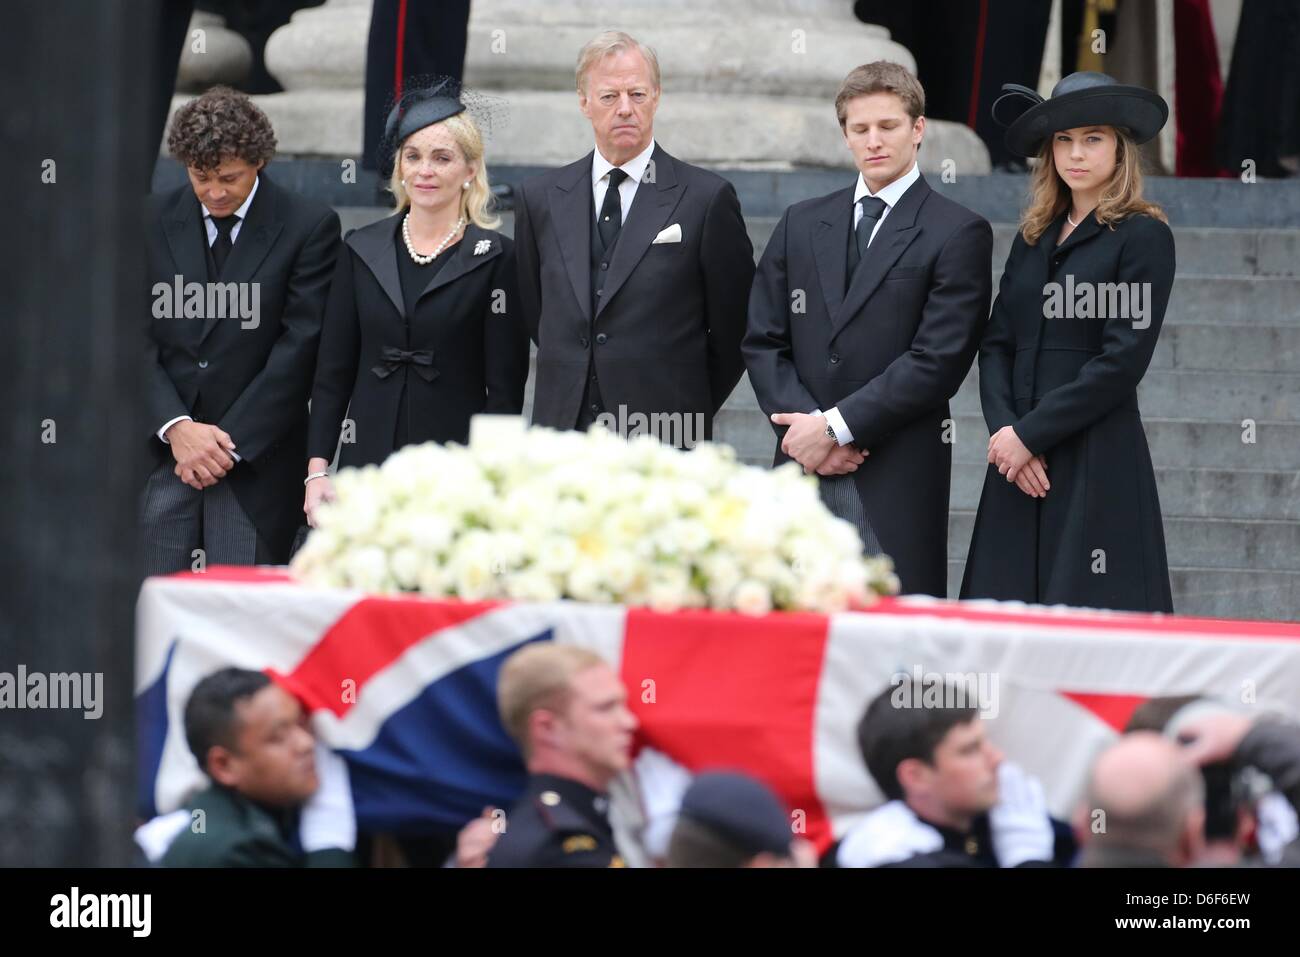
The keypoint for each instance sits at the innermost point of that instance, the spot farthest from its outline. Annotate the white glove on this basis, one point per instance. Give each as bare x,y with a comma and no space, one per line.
1019,822
328,819
156,836
662,783
1276,825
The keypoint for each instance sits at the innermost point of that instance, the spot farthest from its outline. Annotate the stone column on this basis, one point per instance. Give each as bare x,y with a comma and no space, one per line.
747,83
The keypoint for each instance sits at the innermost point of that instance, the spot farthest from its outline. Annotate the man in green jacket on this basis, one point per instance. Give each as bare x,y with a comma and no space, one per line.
276,800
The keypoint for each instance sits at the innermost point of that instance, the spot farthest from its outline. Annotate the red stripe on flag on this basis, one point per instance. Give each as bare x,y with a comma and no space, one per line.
728,691
1114,709
252,574
369,637
1156,625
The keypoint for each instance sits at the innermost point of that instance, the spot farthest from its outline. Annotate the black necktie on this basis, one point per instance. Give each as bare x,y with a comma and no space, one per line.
223,244
611,210
872,210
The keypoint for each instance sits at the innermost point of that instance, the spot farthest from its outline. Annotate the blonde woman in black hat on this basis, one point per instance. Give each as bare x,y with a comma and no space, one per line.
1069,512
421,330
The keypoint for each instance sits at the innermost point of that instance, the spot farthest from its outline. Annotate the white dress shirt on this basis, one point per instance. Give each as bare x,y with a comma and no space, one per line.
890,194
635,169
211,227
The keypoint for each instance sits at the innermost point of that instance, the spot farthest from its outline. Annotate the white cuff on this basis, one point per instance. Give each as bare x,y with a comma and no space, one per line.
328,819
162,433
836,421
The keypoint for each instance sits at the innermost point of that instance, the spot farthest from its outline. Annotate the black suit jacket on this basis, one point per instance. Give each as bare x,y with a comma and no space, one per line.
467,320
666,333
888,353
250,380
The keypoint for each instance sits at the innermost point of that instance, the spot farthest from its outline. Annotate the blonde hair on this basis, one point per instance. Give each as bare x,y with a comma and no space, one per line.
607,44
1121,197
881,76
476,203
538,676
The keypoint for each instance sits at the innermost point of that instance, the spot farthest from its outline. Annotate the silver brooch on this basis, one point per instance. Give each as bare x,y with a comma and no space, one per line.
482,246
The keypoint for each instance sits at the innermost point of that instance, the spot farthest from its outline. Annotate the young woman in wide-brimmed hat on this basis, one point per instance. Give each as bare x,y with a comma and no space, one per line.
1069,512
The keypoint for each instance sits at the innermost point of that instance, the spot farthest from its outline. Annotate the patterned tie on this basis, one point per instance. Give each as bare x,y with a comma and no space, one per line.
224,244
611,210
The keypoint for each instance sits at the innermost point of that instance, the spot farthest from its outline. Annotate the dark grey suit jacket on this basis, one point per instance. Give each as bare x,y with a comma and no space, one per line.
666,334
888,352
251,380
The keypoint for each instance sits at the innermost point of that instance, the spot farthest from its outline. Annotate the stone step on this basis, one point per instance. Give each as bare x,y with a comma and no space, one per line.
1202,542
1210,347
1184,493
1201,250
1213,592
1212,396
1174,443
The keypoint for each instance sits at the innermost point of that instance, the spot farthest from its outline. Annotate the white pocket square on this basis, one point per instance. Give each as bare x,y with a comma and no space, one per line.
673,234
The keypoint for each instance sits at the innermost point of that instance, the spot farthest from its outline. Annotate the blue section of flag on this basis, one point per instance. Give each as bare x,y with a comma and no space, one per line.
150,736
439,760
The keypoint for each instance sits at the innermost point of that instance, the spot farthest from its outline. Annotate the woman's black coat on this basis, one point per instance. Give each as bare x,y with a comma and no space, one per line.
1068,386
464,350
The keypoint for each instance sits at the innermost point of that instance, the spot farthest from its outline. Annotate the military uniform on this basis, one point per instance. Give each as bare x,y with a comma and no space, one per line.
240,833
973,848
557,823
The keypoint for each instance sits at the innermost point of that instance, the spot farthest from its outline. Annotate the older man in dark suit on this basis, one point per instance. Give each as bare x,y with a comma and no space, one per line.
240,270
634,267
864,319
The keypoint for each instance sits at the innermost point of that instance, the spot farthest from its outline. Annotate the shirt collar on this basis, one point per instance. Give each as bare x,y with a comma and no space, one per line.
242,211
892,193
635,167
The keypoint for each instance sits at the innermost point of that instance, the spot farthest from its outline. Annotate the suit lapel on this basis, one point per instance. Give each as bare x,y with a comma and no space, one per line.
830,239
186,237
570,204
464,259
895,235
654,203
374,246
256,236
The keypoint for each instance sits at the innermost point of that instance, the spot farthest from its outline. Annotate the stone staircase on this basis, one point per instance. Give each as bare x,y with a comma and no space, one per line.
1229,352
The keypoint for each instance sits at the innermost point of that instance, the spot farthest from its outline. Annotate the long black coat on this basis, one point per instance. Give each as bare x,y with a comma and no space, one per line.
888,353
1068,386
666,334
252,380
467,319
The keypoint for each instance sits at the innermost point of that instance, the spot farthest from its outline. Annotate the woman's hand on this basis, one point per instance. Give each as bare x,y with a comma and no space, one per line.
318,490
1032,479
1008,453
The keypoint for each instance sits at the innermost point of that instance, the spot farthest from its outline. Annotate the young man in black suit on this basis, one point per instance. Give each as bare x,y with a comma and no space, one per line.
240,268
634,267
864,319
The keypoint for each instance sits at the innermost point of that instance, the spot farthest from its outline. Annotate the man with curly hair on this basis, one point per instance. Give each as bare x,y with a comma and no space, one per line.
240,269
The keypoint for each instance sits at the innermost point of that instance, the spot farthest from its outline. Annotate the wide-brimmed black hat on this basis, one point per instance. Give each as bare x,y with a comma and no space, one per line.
1080,99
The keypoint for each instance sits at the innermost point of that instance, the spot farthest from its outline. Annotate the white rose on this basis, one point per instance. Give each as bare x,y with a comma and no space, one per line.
753,598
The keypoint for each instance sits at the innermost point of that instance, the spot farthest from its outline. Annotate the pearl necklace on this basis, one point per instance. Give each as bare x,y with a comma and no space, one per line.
410,247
